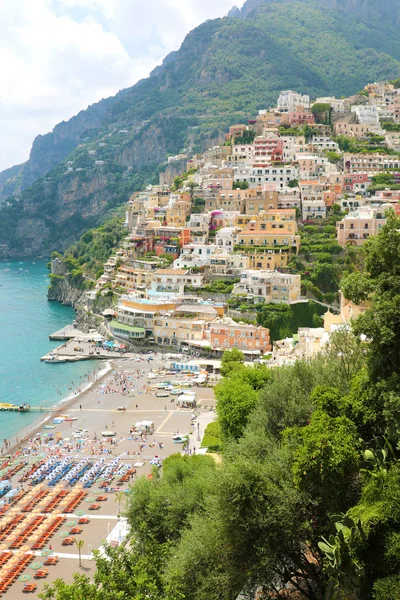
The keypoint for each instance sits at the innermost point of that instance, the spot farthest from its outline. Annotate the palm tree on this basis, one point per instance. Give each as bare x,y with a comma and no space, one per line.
119,497
79,544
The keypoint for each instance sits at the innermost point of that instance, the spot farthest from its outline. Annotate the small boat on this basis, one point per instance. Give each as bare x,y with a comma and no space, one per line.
180,439
108,433
55,360
71,419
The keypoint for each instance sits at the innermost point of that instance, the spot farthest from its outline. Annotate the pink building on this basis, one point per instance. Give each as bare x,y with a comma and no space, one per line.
300,117
267,150
356,182
358,226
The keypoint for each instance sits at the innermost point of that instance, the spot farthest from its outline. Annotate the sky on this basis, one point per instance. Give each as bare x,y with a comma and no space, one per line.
59,56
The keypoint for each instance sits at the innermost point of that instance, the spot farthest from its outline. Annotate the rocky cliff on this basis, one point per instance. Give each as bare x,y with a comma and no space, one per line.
62,291
224,72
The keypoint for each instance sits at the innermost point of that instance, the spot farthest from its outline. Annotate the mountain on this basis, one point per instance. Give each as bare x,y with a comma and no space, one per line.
225,70
388,10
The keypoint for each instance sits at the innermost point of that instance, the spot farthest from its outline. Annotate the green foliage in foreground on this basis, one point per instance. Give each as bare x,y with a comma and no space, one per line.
212,437
307,495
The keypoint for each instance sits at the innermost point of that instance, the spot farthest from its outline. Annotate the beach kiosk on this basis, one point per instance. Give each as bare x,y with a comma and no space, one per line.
145,426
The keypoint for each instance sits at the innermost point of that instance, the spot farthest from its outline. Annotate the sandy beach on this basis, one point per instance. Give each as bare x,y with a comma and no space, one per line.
58,452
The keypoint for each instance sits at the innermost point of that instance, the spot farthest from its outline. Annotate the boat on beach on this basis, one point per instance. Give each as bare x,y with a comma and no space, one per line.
180,439
55,360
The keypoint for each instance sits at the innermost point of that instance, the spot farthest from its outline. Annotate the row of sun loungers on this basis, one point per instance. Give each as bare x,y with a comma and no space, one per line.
71,506
39,496
8,579
50,531
10,526
27,532
55,501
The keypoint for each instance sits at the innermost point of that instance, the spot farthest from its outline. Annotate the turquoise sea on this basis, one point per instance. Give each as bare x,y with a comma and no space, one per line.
26,320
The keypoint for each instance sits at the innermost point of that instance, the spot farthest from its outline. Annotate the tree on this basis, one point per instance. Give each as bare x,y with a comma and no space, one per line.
120,498
81,588
380,322
333,157
177,184
326,460
240,185
293,183
79,545
322,112
235,401
230,360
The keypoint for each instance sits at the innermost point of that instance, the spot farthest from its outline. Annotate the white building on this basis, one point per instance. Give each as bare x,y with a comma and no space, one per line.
321,143
269,287
225,238
279,176
289,100
195,255
173,281
228,264
366,114
313,209
337,105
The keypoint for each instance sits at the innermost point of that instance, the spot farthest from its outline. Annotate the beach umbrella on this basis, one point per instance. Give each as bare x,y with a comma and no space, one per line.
24,578
71,523
36,565
63,534
90,499
46,552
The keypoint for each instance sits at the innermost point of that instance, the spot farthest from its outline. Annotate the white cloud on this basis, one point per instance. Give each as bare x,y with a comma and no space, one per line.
58,56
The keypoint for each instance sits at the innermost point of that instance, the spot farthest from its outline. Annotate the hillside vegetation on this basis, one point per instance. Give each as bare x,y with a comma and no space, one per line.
225,71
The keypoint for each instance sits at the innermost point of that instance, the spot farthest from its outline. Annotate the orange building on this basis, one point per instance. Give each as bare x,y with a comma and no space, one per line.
227,334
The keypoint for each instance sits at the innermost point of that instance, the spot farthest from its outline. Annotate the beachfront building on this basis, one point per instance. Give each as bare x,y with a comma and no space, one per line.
140,312
226,334
356,227
269,287
186,325
127,332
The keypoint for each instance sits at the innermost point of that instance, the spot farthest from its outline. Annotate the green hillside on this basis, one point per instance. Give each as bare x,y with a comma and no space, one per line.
225,71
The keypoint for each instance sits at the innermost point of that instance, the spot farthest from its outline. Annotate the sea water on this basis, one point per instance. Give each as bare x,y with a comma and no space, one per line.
26,320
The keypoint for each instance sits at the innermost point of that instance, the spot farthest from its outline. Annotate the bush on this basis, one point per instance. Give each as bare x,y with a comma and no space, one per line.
212,437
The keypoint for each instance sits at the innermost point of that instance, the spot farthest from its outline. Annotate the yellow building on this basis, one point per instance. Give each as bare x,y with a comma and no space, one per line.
268,260
132,279
270,229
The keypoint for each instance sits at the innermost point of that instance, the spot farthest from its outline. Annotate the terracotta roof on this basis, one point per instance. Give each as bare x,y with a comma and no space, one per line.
172,271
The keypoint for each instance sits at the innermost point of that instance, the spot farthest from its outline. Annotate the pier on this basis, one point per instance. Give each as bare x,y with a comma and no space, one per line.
26,408
69,332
